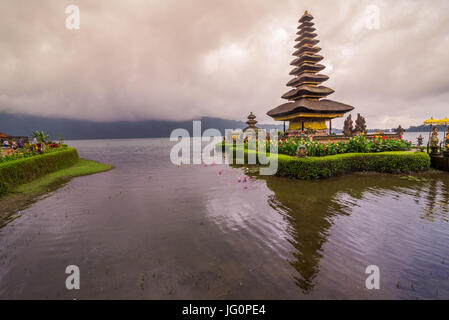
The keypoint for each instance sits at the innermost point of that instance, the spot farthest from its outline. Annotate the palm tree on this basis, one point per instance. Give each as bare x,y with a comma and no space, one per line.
41,137
60,139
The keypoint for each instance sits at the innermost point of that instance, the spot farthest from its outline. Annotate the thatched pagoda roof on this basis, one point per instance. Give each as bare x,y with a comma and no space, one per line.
306,57
306,25
305,17
306,105
307,91
302,50
306,41
306,35
307,67
307,78
304,30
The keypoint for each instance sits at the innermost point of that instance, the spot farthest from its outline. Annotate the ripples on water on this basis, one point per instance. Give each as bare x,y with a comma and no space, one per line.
149,229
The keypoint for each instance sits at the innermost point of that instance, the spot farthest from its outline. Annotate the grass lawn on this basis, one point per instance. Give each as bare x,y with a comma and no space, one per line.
25,194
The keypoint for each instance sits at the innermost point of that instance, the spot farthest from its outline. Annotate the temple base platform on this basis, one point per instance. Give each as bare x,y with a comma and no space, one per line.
439,162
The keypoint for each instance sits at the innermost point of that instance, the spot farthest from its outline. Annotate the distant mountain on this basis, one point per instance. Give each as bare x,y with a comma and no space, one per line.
424,128
379,130
23,125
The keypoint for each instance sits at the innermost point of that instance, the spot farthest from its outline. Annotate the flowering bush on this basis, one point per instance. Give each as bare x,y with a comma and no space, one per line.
30,150
13,173
359,144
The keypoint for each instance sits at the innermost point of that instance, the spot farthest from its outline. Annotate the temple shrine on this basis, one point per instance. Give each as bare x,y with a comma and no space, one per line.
251,123
307,107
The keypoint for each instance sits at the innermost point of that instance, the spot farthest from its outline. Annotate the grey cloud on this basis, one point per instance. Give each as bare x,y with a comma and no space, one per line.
177,60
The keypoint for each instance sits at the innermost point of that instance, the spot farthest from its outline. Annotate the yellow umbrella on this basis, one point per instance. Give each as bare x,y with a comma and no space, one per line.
444,121
431,121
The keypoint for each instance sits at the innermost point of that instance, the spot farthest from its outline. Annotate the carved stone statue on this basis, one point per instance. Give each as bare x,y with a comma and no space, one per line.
347,128
446,145
360,124
434,141
399,130
301,151
420,143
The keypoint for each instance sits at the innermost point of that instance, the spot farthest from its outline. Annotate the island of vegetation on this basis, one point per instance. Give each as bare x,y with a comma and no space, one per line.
324,160
29,170
309,149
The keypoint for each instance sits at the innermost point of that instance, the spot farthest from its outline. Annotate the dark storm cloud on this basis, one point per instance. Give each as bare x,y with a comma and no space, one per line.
182,59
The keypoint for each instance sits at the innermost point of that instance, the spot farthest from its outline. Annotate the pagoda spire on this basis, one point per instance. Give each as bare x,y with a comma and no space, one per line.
307,106
307,83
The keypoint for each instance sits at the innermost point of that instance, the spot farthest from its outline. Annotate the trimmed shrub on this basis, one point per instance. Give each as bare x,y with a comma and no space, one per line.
24,170
3,187
325,167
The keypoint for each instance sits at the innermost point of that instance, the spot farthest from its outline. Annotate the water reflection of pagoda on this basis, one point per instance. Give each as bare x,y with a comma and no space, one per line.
307,109
310,208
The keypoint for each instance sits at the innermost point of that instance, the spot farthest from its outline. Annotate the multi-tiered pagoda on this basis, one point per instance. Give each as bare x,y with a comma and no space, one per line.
251,123
307,108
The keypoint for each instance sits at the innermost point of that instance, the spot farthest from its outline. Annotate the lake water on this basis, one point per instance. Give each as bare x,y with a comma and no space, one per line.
151,230
413,136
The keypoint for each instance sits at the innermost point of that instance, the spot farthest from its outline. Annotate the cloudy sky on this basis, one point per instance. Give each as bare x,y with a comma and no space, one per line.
183,59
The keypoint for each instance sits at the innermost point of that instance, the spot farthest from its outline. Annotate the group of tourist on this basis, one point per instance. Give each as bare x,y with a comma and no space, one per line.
14,145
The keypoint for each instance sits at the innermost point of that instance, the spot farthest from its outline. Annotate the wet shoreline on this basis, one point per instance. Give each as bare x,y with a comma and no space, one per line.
14,202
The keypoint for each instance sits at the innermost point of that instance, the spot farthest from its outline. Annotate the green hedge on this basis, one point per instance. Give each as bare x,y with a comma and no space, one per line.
24,170
324,167
328,166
